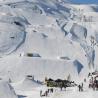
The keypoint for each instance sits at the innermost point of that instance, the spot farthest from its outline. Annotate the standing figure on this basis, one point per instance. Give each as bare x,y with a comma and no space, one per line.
40,93
79,86
82,87
46,93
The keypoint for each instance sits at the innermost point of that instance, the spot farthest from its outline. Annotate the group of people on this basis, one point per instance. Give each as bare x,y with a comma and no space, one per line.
46,93
93,83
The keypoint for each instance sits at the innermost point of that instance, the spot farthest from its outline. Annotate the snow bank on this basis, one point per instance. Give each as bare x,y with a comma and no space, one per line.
6,91
12,30
78,32
28,85
11,37
39,68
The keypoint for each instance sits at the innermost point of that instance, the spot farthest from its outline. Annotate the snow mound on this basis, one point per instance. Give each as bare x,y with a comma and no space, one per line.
28,84
78,32
12,30
11,37
6,91
41,68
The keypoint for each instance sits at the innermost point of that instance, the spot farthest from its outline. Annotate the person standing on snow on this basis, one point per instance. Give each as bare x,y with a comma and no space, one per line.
40,93
79,86
82,87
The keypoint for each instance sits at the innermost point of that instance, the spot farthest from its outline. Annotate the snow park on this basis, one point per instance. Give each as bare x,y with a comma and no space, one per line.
48,49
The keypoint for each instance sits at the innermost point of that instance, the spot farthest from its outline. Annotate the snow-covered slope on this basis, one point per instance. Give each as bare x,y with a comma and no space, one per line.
28,85
46,38
6,91
63,37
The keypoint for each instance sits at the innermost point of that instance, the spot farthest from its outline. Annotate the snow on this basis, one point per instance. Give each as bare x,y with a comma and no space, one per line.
57,31
6,91
11,36
45,68
28,85
78,32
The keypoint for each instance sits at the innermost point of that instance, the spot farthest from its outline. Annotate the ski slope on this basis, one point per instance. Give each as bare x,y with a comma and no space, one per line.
58,35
